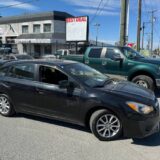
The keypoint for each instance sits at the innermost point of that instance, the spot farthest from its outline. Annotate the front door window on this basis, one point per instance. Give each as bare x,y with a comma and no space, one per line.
51,75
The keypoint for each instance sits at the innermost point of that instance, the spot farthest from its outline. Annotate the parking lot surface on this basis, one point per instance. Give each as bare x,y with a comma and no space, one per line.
32,138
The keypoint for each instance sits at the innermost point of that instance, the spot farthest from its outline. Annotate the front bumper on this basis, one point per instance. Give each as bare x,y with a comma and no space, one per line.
141,129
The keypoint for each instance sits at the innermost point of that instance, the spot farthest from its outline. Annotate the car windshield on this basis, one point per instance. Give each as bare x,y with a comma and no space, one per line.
131,53
86,74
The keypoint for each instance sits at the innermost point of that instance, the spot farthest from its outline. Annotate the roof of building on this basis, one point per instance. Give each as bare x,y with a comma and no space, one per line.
54,15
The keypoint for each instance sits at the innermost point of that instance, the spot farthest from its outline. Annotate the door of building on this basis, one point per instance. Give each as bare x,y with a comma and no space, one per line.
37,50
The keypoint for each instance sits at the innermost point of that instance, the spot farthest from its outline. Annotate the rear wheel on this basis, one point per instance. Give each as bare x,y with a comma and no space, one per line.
144,81
6,108
105,125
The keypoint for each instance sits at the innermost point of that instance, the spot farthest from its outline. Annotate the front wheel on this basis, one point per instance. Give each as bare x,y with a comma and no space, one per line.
144,81
105,125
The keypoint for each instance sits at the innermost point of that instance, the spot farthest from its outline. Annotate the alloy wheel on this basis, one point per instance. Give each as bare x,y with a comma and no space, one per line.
108,126
142,83
4,105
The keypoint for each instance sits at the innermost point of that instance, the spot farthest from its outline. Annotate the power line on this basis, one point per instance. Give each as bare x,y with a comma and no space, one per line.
105,4
96,11
17,4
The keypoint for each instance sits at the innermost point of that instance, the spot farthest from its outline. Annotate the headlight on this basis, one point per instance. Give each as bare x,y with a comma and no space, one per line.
140,108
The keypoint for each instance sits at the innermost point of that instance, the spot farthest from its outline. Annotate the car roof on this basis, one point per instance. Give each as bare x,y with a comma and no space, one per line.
54,62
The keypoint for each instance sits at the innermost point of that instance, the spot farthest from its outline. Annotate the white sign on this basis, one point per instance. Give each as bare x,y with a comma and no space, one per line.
77,29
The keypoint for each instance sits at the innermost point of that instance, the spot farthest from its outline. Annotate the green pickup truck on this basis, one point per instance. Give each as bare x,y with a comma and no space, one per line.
122,62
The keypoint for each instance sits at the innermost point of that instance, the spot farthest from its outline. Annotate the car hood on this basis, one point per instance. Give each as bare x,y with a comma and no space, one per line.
130,90
149,60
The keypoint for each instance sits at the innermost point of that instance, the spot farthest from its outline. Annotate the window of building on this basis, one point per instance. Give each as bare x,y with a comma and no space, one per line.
48,49
25,29
95,53
51,75
36,28
47,28
22,71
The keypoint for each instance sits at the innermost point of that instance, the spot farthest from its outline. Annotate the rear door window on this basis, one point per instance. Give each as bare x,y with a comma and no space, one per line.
22,71
95,53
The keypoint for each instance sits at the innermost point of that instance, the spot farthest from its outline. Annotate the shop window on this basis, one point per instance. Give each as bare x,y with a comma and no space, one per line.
48,49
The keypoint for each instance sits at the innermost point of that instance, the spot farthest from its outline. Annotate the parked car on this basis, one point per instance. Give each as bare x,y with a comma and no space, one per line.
48,56
64,52
123,62
76,93
11,57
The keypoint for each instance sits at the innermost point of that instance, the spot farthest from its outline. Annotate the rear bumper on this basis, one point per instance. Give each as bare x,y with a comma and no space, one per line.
141,129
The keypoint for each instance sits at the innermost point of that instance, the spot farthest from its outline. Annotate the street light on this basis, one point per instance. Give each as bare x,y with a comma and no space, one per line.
97,25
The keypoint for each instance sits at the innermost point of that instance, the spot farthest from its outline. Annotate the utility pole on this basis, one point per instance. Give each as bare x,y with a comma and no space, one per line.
124,19
143,32
97,25
143,28
148,40
139,24
152,27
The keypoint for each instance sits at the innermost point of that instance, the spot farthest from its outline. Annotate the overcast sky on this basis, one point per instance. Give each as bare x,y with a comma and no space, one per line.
108,16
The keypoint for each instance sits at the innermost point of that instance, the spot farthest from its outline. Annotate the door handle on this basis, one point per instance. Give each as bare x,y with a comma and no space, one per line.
40,91
6,84
104,63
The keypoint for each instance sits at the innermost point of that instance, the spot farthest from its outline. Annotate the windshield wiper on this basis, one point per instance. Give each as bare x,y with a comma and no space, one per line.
107,81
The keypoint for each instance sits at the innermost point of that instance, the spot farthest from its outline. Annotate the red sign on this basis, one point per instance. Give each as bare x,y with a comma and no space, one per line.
77,19
131,45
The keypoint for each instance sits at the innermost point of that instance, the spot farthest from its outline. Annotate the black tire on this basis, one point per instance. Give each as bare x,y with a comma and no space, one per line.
146,79
95,118
10,111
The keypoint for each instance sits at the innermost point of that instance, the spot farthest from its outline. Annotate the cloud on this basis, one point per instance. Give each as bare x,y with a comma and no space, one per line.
17,4
92,11
107,7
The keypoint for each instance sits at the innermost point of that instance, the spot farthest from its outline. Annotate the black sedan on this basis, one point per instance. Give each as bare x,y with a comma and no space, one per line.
73,92
11,57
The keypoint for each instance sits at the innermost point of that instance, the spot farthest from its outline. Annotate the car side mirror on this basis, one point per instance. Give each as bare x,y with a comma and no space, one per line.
117,57
66,84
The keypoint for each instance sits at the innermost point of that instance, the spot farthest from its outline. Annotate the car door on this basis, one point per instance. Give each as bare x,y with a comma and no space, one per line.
113,66
55,101
95,58
20,85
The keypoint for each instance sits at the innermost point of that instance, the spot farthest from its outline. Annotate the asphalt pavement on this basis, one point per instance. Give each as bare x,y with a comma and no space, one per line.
26,137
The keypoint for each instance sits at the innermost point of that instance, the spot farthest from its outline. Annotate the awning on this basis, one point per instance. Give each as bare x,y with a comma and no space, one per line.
41,38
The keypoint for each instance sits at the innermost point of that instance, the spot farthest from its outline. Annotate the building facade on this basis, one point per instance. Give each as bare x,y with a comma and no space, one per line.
35,34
